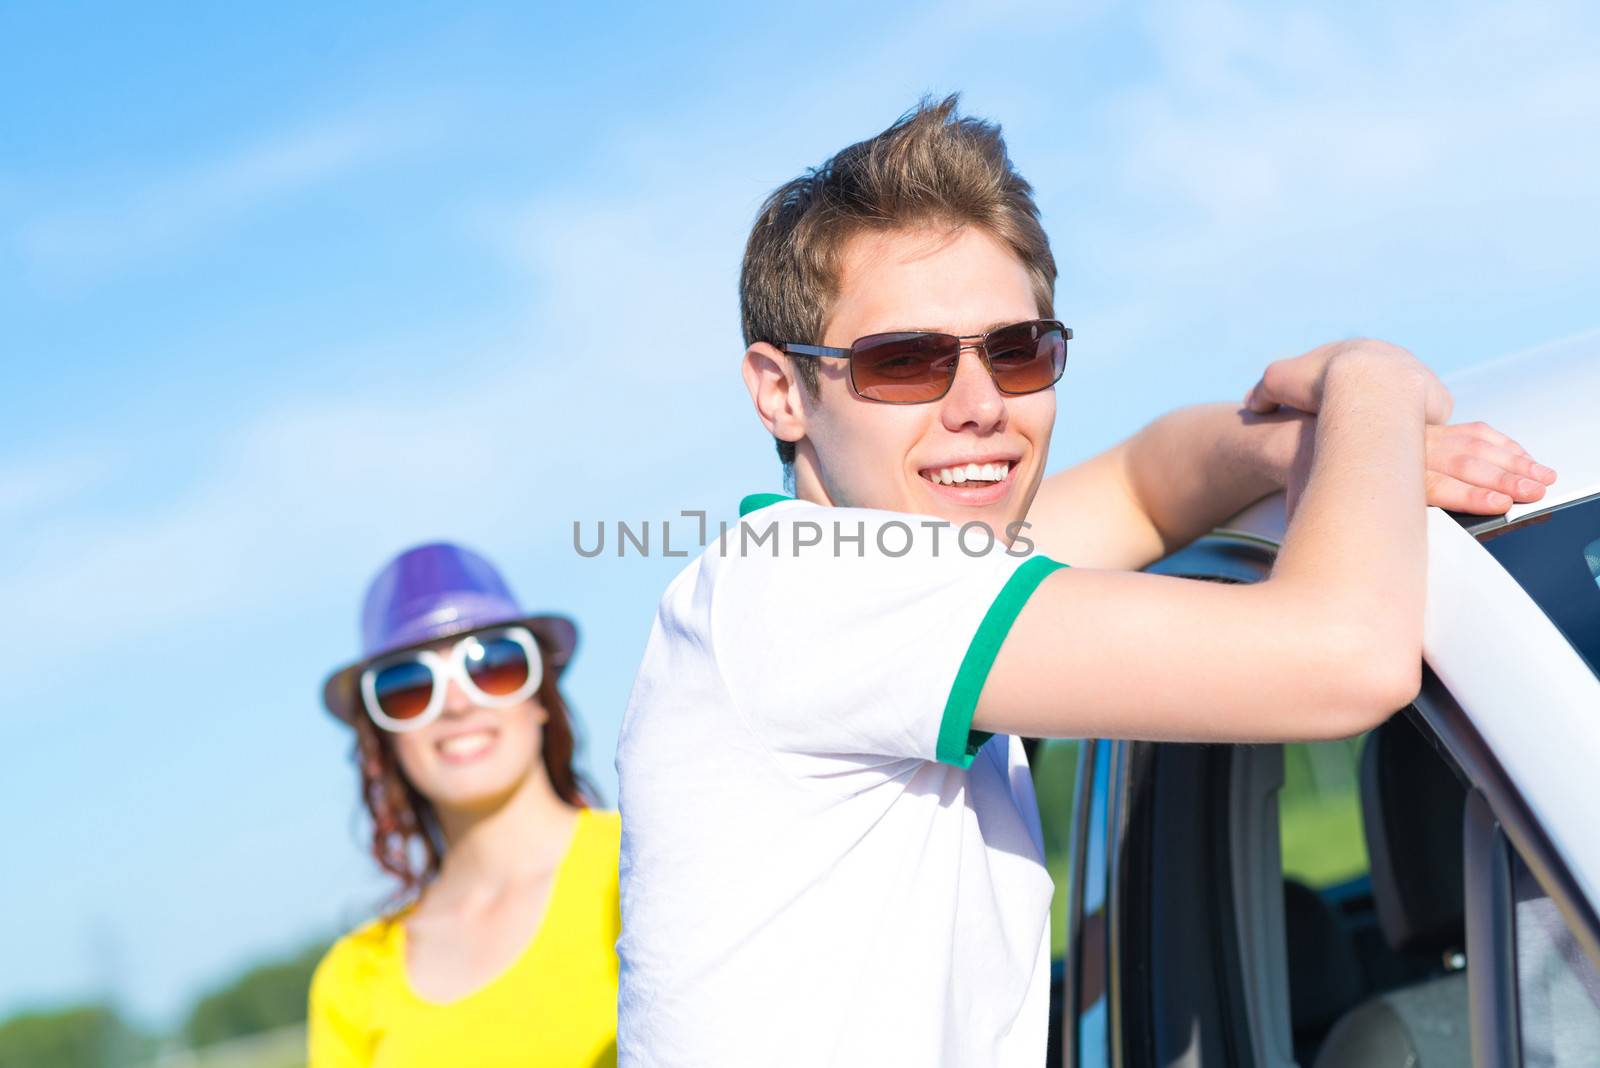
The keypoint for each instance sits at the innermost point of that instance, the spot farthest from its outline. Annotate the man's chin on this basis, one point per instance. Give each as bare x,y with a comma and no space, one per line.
978,528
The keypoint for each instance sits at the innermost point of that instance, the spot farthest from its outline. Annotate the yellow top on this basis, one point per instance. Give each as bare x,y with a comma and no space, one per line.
554,1007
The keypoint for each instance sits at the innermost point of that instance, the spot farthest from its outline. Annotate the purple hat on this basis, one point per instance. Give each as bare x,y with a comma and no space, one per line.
432,592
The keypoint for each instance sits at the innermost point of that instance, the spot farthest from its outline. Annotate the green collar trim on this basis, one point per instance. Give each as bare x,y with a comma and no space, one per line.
759,500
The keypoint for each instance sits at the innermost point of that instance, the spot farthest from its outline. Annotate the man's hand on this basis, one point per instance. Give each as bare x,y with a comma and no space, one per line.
1297,382
1472,467
1196,467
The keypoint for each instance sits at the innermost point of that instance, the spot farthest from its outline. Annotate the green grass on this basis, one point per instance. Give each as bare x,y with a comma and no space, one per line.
1319,812
1055,775
283,1047
1321,838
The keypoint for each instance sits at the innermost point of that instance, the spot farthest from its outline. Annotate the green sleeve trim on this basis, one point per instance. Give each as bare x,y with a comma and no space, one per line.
759,500
958,742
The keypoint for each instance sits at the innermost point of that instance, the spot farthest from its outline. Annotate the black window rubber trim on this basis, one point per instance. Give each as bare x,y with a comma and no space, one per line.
1077,872
1491,938
1485,775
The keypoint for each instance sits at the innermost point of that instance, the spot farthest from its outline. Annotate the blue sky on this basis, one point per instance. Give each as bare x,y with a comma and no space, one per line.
286,291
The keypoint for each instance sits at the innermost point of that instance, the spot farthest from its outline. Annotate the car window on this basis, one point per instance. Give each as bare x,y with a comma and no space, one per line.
1558,989
1555,557
1055,782
1055,776
1319,813
1373,926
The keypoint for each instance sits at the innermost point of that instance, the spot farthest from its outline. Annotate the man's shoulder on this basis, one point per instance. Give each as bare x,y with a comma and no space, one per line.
757,534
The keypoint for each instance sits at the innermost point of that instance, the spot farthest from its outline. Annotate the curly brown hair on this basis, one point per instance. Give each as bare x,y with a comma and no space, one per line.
406,839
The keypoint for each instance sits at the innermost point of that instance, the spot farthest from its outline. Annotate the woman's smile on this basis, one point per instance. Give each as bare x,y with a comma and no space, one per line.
466,747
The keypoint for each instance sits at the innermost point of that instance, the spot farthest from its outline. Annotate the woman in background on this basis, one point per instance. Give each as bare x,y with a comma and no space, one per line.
501,949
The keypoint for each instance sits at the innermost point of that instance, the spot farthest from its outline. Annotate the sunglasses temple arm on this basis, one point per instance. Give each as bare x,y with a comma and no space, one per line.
825,351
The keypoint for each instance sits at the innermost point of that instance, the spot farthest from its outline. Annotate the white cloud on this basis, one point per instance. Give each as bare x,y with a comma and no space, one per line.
34,487
1266,120
142,217
607,404
1282,174
505,447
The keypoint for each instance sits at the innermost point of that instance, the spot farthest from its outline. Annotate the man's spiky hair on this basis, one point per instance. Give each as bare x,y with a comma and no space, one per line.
933,167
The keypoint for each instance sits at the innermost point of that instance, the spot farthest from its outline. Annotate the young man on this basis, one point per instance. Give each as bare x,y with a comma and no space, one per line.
831,847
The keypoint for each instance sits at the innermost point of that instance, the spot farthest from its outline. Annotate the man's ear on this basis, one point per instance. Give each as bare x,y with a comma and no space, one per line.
775,389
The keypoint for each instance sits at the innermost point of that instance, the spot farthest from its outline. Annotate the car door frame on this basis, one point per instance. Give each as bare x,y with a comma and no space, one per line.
1109,778
1111,775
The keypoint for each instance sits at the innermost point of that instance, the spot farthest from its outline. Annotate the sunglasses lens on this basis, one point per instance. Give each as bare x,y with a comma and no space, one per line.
904,368
404,689
497,664
1027,357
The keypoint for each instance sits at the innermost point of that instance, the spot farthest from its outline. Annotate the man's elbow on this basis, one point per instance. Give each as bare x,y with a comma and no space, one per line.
1369,679
1391,686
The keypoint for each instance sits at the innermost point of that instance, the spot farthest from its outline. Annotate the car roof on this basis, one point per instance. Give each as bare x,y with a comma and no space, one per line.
1547,398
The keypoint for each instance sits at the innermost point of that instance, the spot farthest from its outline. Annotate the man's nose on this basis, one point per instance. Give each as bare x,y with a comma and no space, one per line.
973,401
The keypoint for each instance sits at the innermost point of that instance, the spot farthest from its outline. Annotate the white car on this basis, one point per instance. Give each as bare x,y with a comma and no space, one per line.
1427,895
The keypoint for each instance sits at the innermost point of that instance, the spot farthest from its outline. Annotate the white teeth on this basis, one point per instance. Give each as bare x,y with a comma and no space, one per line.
954,476
466,744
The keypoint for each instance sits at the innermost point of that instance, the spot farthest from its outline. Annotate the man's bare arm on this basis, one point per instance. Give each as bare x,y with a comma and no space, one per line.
1171,482
1197,467
1327,646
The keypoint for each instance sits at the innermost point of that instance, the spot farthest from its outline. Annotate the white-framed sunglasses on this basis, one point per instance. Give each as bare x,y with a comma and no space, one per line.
497,667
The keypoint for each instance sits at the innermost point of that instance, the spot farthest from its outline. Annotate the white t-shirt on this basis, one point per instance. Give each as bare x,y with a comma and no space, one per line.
821,865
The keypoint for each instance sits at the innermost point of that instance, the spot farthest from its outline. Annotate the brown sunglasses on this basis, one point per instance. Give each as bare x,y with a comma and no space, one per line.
917,367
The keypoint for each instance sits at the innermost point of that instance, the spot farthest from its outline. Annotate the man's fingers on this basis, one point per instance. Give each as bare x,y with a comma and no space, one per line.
1455,495
1439,402
1451,453
1477,471
1486,432
1259,401
1286,383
